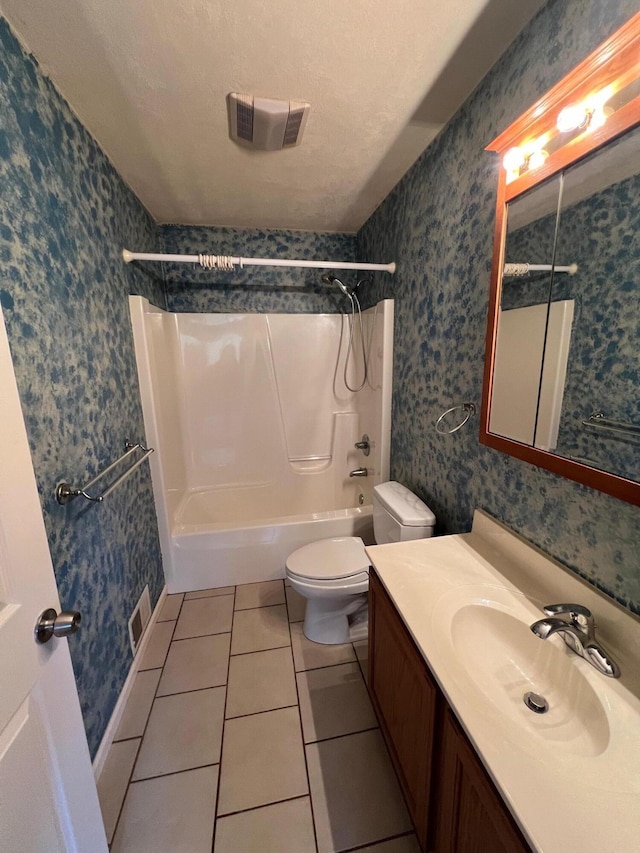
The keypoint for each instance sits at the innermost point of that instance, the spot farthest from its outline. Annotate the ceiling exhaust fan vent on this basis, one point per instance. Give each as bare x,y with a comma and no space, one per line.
266,124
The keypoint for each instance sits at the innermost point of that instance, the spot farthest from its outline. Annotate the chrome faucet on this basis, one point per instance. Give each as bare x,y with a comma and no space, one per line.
359,472
577,627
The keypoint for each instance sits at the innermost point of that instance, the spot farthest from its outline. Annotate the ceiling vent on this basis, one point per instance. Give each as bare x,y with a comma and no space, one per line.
266,123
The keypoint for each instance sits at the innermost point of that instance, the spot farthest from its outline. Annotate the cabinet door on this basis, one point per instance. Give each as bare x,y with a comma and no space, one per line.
404,696
471,816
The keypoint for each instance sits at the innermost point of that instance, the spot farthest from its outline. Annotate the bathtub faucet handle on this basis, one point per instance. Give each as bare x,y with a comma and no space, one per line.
359,472
364,445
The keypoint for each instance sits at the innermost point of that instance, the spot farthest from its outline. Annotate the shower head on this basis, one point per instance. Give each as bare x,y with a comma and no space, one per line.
327,278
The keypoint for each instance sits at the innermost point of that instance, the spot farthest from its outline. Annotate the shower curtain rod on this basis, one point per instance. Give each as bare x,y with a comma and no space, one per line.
523,269
227,262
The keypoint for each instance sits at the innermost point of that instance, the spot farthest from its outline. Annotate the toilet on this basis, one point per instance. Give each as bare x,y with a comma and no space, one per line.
333,574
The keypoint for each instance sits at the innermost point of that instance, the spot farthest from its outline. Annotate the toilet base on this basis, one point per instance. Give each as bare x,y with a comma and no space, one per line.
326,620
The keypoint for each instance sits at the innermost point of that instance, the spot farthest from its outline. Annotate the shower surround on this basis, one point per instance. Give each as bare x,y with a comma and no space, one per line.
255,434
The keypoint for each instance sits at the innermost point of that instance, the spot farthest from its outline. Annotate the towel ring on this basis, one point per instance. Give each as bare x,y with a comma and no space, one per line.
468,408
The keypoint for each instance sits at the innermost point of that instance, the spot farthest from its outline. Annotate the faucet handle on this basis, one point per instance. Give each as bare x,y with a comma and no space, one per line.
580,609
579,615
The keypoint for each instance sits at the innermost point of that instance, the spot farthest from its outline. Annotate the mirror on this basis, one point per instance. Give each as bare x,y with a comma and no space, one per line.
562,375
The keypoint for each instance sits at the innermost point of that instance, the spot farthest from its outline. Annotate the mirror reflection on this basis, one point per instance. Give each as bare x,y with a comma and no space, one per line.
568,335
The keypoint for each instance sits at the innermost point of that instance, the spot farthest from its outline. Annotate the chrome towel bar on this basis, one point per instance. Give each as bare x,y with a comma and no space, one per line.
599,420
66,493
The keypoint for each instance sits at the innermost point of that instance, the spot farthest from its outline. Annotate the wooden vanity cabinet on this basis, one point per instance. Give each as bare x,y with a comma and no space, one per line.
452,802
405,700
470,814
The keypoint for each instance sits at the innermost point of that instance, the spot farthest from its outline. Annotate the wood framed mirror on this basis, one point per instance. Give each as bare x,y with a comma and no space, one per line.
562,369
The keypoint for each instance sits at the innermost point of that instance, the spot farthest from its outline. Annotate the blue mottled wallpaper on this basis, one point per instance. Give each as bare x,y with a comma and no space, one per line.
253,289
64,218
437,224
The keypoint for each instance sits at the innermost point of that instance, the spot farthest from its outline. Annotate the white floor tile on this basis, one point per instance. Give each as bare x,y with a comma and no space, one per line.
263,761
296,605
136,711
155,653
262,681
171,608
260,629
208,593
334,701
308,655
356,797
184,731
194,664
113,781
259,594
202,616
281,828
173,814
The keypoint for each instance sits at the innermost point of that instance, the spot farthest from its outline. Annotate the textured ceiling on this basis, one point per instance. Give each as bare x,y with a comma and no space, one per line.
149,79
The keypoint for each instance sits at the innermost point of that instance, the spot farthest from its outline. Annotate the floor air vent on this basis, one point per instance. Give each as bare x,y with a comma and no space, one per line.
139,619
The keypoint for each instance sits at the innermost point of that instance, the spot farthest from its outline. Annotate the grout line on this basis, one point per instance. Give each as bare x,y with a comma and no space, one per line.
371,844
171,619
191,690
327,666
174,772
198,636
266,711
200,597
144,731
304,751
201,636
224,720
346,734
266,805
260,607
125,739
255,651
362,672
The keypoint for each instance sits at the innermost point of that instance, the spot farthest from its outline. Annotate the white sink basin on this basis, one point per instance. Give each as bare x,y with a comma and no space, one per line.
485,632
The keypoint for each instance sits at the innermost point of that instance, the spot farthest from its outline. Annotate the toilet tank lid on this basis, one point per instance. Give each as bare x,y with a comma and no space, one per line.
403,505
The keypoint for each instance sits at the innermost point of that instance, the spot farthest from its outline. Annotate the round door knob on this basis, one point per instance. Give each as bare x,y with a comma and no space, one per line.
52,624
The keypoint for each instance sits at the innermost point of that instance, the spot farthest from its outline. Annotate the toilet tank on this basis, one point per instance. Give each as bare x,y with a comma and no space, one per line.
399,515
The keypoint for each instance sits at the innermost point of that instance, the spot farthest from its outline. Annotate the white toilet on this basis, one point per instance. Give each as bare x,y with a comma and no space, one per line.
333,574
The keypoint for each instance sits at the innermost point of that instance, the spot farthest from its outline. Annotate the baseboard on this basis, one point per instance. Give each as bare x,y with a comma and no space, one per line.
116,716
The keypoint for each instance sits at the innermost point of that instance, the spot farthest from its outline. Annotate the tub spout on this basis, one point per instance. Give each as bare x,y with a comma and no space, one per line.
359,472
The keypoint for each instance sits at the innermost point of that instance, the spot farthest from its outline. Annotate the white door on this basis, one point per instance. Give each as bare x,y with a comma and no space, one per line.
48,799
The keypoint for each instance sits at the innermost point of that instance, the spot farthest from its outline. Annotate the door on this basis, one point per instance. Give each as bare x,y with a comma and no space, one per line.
48,798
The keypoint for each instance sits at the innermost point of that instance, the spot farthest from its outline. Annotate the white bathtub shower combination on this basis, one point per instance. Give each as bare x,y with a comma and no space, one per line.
254,430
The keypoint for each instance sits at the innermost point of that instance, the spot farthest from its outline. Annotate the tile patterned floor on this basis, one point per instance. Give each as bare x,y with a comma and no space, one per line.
241,736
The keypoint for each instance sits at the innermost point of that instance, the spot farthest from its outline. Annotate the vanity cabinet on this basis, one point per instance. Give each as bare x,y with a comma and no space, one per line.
405,699
470,815
453,803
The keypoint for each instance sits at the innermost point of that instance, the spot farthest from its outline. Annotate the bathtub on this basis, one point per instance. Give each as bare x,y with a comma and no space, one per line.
232,536
256,434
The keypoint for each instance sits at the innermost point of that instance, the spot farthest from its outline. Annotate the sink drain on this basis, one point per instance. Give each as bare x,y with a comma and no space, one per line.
536,703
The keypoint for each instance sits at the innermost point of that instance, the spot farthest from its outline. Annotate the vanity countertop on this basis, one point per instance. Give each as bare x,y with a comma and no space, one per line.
571,776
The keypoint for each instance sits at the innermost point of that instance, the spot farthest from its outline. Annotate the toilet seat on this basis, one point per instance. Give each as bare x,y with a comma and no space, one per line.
339,562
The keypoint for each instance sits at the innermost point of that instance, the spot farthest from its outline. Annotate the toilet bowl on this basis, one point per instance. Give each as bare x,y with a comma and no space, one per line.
333,574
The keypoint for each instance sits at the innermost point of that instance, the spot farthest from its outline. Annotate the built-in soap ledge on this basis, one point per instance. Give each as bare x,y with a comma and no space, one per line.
310,464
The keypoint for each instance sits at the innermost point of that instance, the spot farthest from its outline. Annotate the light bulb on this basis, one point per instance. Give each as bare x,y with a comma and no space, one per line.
599,117
537,158
572,117
514,159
